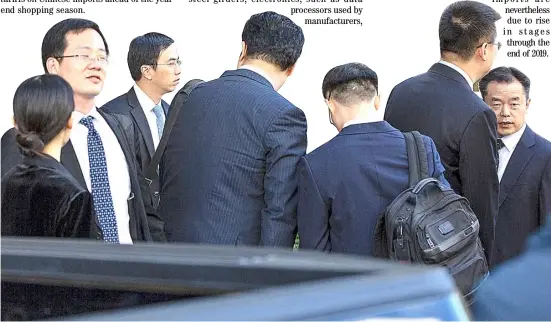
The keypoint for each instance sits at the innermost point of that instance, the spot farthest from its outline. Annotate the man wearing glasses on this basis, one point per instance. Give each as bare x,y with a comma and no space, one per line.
154,65
99,154
442,104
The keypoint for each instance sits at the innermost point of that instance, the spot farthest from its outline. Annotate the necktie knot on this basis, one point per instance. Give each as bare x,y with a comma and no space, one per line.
500,144
87,121
158,110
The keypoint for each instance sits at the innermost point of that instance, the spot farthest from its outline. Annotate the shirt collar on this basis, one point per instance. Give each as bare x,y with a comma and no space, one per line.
145,101
460,71
510,141
77,116
370,119
259,72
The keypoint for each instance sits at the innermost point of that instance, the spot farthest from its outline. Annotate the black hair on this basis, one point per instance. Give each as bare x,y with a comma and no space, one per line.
42,106
504,75
273,38
55,41
465,25
145,50
350,84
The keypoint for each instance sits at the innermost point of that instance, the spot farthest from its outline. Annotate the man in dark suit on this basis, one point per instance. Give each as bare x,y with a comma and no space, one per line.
441,104
524,163
345,184
155,67
228,174
99,154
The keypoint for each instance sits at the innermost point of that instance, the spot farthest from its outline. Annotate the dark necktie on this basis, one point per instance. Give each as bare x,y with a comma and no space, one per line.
500,144
101,191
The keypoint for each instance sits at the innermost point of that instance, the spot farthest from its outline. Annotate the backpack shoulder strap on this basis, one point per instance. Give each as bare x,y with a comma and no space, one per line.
417,157
173,112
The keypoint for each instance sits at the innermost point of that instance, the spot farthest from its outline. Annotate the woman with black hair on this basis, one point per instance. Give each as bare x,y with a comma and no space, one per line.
40,198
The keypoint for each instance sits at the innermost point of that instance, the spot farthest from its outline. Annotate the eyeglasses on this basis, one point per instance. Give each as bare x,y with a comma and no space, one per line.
172,63
498,44
88,59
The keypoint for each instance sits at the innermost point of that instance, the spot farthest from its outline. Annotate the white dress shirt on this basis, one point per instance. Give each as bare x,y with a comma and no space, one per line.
119,179
147,104
460,71
509,144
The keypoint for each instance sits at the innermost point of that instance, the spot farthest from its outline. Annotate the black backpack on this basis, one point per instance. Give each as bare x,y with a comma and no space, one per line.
430,224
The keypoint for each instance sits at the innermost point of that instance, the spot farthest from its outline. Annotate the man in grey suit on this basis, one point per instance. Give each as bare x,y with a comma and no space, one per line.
228,174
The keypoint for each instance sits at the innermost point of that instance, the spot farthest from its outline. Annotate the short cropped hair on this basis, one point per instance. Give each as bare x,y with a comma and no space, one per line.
273,38
464,25
55,41
504,75
350,84
145,50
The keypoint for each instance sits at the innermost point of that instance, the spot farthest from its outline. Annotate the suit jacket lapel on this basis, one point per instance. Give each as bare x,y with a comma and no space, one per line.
70,162
141,121
165,107
522,154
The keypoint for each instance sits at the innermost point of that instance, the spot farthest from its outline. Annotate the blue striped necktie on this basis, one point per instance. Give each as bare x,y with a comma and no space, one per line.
101,191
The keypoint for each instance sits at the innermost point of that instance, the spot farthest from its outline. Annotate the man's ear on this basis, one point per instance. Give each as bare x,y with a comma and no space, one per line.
528,101
483,52
52,65
242,55
377,102
290,70
146,72
330,105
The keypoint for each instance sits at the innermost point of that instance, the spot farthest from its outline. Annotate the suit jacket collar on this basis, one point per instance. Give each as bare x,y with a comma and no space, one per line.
140,119
450,73
371,127
247,73
519,160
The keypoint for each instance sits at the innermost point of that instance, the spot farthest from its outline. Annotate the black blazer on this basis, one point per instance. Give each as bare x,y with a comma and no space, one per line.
347,182
441,104
124,131
228,174
525,195
127,104
41,199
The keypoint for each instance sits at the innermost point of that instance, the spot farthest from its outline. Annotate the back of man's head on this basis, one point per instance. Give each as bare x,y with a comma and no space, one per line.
273,38
465,25
350,84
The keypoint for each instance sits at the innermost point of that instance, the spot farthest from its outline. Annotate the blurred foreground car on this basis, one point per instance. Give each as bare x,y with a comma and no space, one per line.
65,279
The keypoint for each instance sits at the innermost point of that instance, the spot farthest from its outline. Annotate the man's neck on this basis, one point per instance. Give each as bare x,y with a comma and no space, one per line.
149,91
365,114
267,70
466,67
84,104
